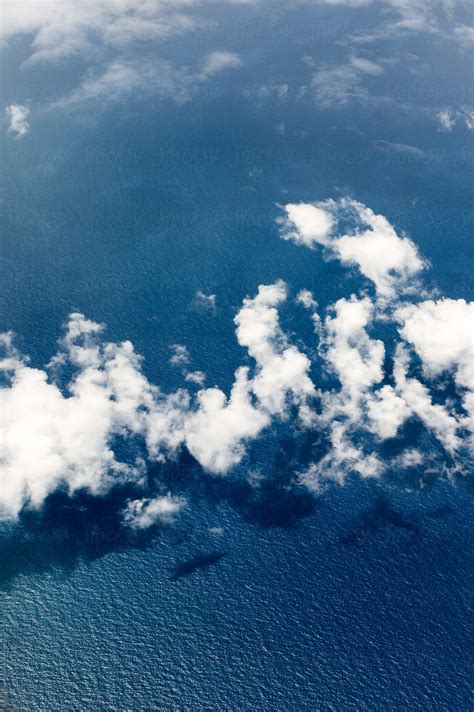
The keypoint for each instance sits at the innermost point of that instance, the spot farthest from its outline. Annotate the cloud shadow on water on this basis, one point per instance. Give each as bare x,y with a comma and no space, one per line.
70,529
380,515
196,563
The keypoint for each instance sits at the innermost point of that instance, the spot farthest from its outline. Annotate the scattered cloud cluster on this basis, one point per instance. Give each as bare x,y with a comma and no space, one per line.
448,118
116,42
71,431
63,430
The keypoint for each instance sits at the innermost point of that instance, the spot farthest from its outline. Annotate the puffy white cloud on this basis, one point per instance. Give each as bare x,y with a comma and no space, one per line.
342,459
356,359
410,458
306,299
71,434
306,224
49,438
389,260
143,513
387,412
418,399
17,115
442,334
197,377
217,431
282,370
71,431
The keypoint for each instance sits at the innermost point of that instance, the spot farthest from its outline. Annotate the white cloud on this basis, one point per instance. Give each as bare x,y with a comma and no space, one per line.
17,115
94,29
418,399
338,86
306,224
216,62
71,434
445,119
352,355
410,458
122,77
366,66
448,118
387,412
282,370
442,333
342,459
196,377
180,355
410,153
72,429
143,513
216,433
306,299
217,429
76,27
390,261
69,437
465,35
272,90
205,302
401,17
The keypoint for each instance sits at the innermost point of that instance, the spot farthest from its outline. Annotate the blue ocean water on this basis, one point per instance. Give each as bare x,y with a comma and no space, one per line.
359,602
260,598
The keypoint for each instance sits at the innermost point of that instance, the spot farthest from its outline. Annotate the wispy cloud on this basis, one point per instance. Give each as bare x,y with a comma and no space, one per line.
78,27
220,61
338,85
121,79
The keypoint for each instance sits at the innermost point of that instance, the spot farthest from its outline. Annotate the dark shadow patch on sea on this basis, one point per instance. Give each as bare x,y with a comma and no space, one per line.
196,563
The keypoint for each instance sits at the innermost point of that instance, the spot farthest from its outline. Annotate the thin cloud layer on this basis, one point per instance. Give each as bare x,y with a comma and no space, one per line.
76,27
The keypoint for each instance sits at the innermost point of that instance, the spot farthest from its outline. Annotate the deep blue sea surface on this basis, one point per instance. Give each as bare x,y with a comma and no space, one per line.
258,597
